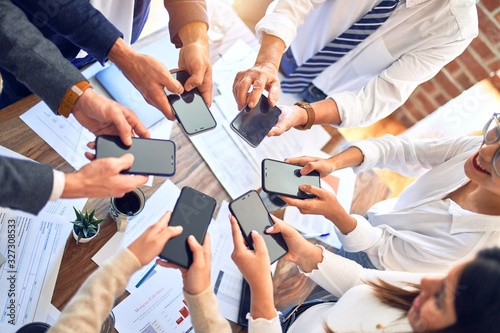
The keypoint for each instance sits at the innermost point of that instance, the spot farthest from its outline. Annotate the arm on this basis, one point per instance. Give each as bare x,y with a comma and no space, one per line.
78,21
32,59
94,300
276,31
26,185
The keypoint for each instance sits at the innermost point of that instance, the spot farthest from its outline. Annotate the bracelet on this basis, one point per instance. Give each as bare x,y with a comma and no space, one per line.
310,116
71,96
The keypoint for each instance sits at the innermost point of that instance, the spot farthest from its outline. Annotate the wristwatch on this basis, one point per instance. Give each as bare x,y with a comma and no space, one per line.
71,96
310,116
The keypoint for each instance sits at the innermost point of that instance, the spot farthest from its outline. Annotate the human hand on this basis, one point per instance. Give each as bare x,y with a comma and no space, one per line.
100,115
149,245
147,74
300,251
263,76
325,203
290,116
194,58
253,264
101,178
196,278
309,163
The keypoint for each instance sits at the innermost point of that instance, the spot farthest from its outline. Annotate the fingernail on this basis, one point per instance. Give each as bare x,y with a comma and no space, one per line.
178,228
255,232
269,229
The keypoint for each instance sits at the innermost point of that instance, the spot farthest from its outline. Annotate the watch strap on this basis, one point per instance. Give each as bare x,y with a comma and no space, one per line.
71,96
310,116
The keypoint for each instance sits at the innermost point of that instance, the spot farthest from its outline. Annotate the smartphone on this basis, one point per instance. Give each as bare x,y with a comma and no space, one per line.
190,109
284,179
244,304
151,156
251,214
253,124
193,211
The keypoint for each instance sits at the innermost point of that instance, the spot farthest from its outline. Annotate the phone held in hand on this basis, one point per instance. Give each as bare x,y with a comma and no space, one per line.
251,214
193,211
190,109
284,179
253,124
151,156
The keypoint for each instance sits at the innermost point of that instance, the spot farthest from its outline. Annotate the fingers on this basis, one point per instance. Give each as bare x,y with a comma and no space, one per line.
311,166
90,156
197,249
274,93
279,128
259,243
302,160
238,240
241,86
125,161
312,190
137,126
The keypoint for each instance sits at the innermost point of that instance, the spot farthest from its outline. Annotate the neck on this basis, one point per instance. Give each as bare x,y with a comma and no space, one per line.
477,199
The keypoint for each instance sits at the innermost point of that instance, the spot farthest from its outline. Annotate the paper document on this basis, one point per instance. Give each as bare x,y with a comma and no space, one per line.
33,247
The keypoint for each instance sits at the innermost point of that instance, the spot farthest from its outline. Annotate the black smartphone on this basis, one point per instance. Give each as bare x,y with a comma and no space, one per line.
253,124
193,211
244,304
151,156
190,109
284,179
251,214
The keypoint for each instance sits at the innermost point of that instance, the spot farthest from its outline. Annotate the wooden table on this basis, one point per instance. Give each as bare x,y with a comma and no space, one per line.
290,286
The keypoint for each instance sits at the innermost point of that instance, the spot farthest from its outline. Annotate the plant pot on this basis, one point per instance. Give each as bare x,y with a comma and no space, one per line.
36,327
85,240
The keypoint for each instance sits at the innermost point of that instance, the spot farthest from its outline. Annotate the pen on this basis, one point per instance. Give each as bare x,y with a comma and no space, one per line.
148,273
314,235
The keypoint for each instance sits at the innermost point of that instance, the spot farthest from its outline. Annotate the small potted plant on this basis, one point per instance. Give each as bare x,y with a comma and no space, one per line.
86,226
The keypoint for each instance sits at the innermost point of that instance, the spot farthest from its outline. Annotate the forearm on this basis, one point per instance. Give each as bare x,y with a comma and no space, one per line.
262,300
205,314
34,60
194,32
271,51
183,13
309,259
94,300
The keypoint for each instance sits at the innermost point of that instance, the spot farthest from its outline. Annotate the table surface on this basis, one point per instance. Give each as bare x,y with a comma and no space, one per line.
290,287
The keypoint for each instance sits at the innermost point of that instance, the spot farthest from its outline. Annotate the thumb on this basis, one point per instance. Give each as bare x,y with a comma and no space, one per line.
125,161
259,243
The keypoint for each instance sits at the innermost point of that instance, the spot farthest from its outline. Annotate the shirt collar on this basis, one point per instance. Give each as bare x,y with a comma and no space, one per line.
466,221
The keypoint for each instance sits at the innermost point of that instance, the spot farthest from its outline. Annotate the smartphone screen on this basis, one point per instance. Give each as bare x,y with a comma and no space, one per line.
285,178
190,109
251,214
193,211
151,156
253,124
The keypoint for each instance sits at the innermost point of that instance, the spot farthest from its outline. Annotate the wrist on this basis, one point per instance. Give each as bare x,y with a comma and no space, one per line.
311,259
120,53
72,96
194,32
306,116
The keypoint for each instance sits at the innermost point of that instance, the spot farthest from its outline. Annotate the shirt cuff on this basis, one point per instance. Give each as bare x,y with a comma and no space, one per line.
362,237
57,186
264,325
371,155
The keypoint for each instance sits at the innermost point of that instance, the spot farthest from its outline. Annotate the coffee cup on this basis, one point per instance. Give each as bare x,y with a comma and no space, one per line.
125,208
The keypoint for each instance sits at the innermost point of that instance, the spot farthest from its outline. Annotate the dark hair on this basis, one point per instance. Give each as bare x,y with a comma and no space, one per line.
477,298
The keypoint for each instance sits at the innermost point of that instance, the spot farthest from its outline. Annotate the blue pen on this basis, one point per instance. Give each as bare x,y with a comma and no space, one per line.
148,273
314,235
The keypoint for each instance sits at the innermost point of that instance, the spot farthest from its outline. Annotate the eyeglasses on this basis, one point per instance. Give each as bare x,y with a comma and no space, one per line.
491,135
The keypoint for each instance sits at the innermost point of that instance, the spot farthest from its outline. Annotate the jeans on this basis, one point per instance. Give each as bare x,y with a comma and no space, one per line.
359,257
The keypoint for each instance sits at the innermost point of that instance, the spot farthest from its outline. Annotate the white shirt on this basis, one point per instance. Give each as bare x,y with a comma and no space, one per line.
378,76
420,231
358,309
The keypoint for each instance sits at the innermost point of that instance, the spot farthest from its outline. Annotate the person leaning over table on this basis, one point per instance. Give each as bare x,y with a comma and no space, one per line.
467,299
373,78
76,25
28,185
449,213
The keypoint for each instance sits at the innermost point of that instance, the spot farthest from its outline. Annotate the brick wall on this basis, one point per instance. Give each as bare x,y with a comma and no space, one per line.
479,61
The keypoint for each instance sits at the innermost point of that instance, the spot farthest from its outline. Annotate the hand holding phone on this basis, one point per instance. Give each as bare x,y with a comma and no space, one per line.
193,211
253,124
190,109
284,179
151,156
251,214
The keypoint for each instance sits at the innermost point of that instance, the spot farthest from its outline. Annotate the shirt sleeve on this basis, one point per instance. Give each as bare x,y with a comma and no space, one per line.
94,300
384,93
182,12
58,185
205,314
283,17
337,274
32,59
408,156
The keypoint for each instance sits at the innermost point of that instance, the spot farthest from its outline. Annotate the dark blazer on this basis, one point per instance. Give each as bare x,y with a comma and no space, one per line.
25,185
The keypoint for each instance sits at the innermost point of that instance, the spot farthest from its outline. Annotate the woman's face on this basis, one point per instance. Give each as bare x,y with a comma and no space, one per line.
434,307
479,168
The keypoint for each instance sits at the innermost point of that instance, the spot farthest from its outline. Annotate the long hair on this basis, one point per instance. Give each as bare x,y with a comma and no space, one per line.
477,298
